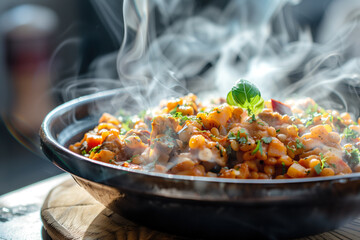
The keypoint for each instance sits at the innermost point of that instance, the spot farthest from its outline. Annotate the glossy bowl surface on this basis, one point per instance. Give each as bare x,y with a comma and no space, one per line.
198,207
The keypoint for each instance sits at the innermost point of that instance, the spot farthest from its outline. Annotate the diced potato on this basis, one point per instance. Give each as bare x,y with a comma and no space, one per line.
104,156
296,171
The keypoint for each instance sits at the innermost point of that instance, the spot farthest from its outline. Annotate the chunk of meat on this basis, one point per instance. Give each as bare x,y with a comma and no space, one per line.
274,119
144,135
115,145
162,124
280,107
108,118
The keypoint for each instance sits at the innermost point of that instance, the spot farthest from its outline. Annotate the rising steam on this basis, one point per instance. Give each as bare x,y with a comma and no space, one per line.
169,48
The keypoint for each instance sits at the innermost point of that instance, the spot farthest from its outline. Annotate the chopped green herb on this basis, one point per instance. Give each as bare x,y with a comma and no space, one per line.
311,109
309,122
218,111
299,144
323,164
318,168
242,140
95,149
237,137
352,157
258,148
228,149
221,152
182,118
246,95
277,130
283,168
290,148
261,123
126,125
350,134
203,130
267,139
83,152
231,136
333,165
174,110
123,131
136,155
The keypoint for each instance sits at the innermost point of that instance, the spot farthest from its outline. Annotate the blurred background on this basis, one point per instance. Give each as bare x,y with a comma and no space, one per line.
44,43
41,43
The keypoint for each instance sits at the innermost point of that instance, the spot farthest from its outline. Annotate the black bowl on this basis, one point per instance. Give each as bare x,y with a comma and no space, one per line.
196,206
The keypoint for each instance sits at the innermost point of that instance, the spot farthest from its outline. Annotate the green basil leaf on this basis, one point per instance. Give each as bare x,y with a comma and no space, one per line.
246,95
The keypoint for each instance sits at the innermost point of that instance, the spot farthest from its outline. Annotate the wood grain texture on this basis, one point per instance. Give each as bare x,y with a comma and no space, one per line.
69,212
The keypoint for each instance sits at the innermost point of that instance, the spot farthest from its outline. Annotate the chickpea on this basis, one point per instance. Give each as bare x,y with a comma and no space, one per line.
215,131
185,110
263,176
271,131
281,137
234,145
247,156
270,161
197,141
252,165
249,145
254,175
313,162
292,130
327,172
269,170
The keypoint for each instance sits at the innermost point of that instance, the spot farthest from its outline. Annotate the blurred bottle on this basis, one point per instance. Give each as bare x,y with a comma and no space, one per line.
28,33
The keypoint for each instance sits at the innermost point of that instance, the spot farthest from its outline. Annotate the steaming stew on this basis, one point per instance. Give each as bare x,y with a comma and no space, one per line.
294,140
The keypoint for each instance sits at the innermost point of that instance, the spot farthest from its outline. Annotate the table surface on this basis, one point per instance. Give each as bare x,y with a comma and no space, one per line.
20,210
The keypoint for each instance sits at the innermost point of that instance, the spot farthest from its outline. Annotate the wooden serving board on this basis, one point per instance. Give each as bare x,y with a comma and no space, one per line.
69,212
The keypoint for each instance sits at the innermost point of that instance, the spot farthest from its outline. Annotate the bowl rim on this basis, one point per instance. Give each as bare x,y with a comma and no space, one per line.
48,139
